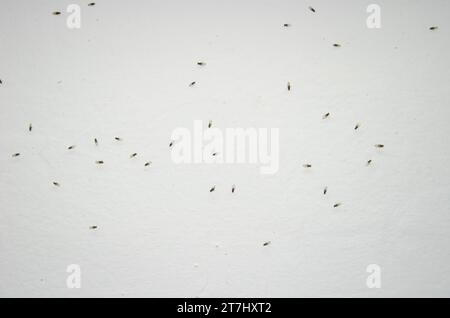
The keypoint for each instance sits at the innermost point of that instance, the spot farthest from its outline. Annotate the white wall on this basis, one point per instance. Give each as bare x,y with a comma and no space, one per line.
161,233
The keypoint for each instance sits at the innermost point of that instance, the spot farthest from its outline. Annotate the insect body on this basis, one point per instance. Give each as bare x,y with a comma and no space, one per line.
286,25
171,144
201,63
379,146
210,124
312,9
56,13
118,138
433,28
307,165
30,127
233,188
192,83
325,190
357,126
133,155
212,189
336,45
147,164
267,243
369,162
91,4
71,147
289,86
93,227
336,205
99,162
17,154
326,115
56,184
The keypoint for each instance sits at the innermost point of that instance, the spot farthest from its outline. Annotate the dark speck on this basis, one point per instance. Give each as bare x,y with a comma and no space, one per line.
56,13
266,243
336,45
433,28
312,9
212,189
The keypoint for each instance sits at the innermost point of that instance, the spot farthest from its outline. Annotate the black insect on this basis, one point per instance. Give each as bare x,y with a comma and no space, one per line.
133,155
369,162
357,126
325,190
99,162
56,184
289,86
93,227
1,81
379,146
215,154
312,9
96,141
17,154
307,165
30,127
433,28
336,205
56,13
192,84
201,63
326,116
210,124
336,45
118,138
91,4
212,189
171,144
286,25
147,164
267,243
233,188
71,147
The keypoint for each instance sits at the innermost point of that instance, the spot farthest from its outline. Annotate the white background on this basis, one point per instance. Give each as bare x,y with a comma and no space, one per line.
161,233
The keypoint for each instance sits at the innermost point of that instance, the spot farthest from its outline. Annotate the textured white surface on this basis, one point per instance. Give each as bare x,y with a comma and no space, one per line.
161,232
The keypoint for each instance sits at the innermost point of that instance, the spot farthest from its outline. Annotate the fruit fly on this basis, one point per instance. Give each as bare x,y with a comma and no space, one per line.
369,162
1,81
93,227
96,141
192,83
215,154
56,13
201,63
71,147
17,154
233,188
91,4
379,146
99,162
326,116
433,28
147,164
286,25
56,184
325,190
267,243
210,124
118,138
212,189
133,155
336,45
171,144
30,127
312,9
289,86
357,126
336,205
307,165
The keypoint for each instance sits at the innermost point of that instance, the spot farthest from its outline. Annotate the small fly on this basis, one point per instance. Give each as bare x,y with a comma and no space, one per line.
71,147
312,9
325,190
56,184
201,63
171,144
192,84
369,162
93,227
336,45
99,162
379,146
289,86
30,127
433,28
336,205
133,155
307,165
212,189
17,154
215,154
118,138
147,164
210,124
91,4
326,116
96,141
267,243
357,126
56,13
233,188
286,25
